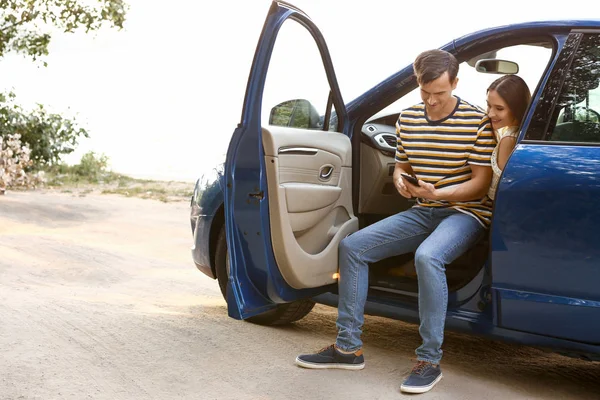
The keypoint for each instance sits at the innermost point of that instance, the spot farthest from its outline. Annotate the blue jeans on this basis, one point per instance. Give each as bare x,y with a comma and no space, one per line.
437,236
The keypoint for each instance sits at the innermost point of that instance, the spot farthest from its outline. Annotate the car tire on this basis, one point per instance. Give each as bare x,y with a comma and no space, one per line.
281,315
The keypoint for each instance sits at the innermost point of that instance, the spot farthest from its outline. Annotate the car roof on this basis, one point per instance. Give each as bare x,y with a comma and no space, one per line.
463,43
533,27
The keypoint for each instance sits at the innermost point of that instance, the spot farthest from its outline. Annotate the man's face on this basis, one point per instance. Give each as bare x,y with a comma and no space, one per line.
437,94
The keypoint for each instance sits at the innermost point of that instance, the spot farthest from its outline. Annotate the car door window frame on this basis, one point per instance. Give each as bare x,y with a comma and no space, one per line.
545,115
302,19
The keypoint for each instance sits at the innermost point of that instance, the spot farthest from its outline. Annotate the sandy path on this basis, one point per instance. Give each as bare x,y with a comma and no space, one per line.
99,299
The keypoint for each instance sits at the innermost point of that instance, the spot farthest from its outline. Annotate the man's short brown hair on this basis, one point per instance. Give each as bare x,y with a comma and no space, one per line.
431,64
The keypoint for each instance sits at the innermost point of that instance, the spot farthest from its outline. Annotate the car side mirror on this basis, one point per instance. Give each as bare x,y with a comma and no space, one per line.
495,66
297,113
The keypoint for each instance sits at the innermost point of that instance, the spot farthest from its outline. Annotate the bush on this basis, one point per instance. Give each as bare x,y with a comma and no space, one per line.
92,165
14,162
48,135
91,169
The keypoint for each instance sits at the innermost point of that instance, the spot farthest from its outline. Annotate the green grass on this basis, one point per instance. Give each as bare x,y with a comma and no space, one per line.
149,190
112,183
91,176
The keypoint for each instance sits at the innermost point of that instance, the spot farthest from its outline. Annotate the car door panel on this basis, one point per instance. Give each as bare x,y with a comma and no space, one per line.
282,251
305,197
309,215
545,240
282,139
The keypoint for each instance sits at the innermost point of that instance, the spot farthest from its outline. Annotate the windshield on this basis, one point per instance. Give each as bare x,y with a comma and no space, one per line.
472,85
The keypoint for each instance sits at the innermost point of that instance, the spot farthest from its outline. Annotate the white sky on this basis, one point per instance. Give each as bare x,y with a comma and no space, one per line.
162,97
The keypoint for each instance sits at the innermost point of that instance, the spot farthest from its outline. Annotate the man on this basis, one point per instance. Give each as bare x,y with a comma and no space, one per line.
447,144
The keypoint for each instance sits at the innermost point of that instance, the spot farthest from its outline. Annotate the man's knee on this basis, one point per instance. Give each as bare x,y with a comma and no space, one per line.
351,245
426,260
347,245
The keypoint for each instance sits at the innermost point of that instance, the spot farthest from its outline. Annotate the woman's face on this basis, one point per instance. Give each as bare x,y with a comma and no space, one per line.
498,111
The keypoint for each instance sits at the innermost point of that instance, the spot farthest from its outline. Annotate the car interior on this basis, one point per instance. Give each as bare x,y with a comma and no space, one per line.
379,198
577,120
309,170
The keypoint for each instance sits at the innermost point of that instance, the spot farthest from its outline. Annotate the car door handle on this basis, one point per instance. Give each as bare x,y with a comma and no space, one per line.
302,151
325,172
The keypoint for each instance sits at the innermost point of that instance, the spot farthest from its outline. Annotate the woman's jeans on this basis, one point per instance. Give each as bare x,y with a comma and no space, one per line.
437,236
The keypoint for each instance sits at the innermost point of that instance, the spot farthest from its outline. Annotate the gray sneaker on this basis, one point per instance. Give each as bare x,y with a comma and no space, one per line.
330,357
422,378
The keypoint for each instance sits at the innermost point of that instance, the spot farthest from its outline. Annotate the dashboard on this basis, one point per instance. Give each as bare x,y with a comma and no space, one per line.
381,134
378,194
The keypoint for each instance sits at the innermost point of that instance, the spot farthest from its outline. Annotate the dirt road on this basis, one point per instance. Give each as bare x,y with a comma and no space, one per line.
99,299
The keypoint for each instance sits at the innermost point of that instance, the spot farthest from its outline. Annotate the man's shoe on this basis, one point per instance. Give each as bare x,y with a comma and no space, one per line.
330,357
422,378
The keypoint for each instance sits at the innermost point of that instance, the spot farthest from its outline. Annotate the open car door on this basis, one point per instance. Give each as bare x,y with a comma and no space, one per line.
288,176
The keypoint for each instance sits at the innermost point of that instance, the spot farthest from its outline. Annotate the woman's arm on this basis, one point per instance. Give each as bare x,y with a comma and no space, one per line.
505,148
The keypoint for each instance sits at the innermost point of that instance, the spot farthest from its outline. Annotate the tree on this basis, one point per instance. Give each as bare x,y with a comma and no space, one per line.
25,28
24,24
49,136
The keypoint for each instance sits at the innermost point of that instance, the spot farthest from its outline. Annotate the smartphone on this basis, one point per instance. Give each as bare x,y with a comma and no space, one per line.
411,179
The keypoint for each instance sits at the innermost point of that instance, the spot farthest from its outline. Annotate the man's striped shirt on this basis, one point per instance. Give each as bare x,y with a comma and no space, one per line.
441,152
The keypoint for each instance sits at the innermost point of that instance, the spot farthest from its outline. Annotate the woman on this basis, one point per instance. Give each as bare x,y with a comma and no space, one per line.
507,101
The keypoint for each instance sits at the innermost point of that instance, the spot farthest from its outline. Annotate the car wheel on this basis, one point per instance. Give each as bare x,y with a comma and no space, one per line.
281,315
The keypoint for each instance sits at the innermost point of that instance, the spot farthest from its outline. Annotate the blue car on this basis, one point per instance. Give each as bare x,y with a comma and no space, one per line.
304,169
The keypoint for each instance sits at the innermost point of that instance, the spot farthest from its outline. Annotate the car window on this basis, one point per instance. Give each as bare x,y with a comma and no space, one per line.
532,61
296,88
577,111
472,85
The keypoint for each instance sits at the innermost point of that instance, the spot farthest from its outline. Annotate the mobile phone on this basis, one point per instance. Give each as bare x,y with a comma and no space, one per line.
411,179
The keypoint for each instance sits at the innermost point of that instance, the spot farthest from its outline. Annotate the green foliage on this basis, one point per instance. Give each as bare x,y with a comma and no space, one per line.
25,28
91,169
25,24
91,175
92,165
48,135
151,190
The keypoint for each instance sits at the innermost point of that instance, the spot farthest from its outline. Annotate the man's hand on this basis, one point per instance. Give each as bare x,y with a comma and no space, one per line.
473,189
424,190
402,188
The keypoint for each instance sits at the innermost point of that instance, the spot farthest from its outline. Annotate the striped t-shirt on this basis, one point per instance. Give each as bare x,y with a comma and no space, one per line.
441,152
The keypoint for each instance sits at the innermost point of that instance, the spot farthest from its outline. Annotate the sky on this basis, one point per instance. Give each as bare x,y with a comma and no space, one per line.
162,97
